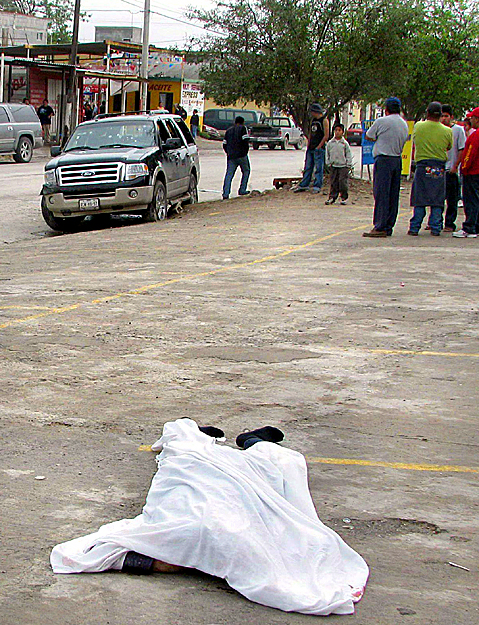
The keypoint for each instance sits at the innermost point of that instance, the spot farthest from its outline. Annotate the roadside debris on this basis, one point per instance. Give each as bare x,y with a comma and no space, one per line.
458,566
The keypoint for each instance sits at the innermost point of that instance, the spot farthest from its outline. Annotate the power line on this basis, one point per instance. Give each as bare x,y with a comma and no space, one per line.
176,19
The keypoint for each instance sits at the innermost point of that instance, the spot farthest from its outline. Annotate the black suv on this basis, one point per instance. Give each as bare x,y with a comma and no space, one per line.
134,163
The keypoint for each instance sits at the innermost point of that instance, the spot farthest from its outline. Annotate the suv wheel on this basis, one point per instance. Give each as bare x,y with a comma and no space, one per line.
158,209
192,190
24,151
60,225
285,143
255,146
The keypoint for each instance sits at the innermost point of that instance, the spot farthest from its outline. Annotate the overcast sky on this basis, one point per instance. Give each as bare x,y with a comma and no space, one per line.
165,30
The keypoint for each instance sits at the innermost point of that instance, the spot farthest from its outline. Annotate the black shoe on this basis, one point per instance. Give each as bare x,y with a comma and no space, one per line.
435,234
210,430
412,234
245,193
268,433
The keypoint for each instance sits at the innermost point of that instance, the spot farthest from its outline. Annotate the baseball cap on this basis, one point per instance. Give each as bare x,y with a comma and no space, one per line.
474,112
316,108
434,108
392,101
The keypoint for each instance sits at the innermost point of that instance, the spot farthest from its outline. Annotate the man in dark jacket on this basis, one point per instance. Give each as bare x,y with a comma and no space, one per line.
194,123
236,146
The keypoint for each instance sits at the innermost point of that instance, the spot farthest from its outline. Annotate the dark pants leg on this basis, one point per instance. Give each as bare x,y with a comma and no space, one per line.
245,170
387,183
334,179
470,197
343,173
452,198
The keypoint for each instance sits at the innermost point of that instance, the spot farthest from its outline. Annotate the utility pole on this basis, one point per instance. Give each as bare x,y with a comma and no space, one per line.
70,116
144,57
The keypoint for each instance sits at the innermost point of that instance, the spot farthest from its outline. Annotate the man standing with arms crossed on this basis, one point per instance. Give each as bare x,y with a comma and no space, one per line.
389,134
318,136
470,186
454,157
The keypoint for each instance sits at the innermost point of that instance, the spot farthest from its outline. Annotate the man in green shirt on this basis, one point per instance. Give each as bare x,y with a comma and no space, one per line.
432,140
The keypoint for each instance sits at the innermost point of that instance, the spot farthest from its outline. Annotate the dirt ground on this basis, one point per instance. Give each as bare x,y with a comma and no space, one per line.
262,310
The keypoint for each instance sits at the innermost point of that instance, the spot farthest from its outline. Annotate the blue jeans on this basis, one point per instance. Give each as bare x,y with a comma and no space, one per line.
232,165
435,218
314,159
194,131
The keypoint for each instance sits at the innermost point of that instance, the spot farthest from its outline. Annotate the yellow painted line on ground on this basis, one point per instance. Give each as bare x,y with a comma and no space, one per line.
218,213
446,468
422,352
25,308
186,278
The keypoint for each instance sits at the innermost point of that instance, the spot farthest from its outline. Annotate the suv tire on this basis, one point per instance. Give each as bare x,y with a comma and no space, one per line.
158,209
60,225
24,151
192,190
255,146
285,143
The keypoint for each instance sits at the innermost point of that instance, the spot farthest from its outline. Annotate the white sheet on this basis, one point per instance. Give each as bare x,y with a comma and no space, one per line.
244,516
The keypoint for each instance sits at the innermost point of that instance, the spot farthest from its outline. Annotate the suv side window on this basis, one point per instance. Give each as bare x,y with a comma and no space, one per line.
186,132
24,114
164,134
173,130
3,116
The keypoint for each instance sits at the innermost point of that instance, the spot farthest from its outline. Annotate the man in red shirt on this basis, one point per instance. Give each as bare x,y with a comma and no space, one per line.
470,189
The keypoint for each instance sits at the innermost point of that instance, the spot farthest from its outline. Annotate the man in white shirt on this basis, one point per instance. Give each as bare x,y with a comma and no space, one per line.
389,134
454,157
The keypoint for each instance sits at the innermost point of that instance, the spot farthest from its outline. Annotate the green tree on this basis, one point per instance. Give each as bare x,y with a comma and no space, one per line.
442,59
58,12
293,52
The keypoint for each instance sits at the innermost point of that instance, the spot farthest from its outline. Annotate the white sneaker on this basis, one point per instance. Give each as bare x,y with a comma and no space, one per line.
461,234
343,202
315,190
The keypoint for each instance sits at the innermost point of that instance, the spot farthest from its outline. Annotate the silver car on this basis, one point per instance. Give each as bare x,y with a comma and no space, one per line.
20,131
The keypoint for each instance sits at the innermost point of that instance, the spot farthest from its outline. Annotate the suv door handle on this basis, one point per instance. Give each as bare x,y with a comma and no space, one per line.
10,127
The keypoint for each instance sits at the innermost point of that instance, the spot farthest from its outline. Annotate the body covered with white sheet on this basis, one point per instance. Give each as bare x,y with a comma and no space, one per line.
245,516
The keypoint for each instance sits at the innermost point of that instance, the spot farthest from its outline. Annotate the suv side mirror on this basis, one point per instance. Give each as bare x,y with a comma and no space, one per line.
172,144
55,150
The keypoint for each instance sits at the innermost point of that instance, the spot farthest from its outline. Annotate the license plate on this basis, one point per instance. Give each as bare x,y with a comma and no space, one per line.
88,204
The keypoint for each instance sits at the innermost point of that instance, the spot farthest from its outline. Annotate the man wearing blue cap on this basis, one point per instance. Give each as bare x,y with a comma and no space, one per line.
389,134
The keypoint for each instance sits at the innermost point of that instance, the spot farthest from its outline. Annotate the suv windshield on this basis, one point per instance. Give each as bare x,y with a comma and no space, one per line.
121,134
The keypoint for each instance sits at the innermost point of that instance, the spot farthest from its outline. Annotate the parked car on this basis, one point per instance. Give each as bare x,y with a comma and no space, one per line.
276,131
20,131
222,119
121,164
354,134
211,132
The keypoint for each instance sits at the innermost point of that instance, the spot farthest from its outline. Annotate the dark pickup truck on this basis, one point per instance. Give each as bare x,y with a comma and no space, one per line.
123,164
276,131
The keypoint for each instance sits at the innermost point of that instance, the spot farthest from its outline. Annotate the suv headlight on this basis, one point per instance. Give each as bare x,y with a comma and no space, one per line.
136,170
50,176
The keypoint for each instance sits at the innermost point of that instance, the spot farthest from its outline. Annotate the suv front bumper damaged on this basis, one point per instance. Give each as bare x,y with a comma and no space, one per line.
117,200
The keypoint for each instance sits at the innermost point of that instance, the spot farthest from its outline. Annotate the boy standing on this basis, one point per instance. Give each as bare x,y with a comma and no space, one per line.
340,159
